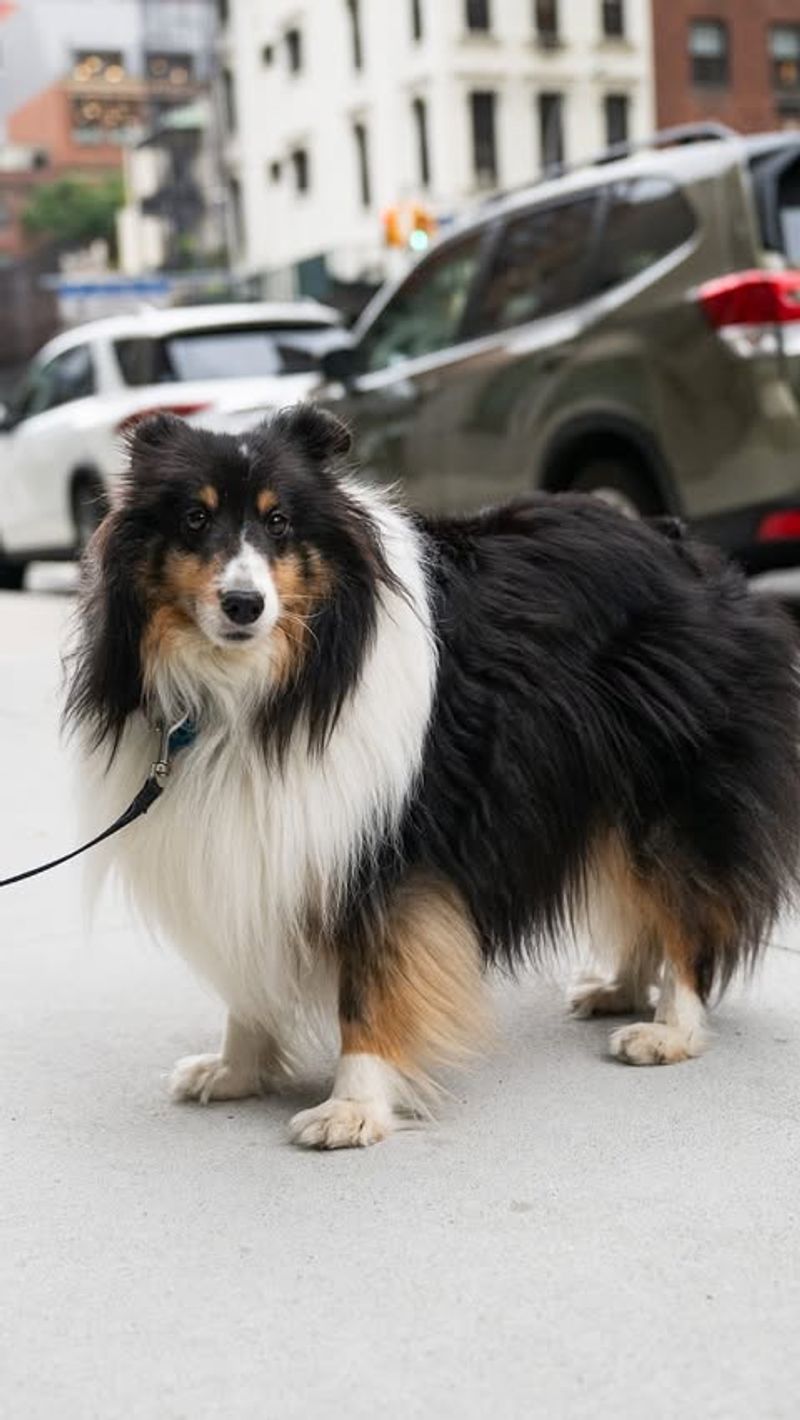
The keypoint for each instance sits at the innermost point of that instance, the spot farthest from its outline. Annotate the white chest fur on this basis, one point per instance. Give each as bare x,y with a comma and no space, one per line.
229,860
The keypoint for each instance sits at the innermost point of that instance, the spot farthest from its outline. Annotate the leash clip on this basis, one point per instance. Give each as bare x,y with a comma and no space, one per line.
160,769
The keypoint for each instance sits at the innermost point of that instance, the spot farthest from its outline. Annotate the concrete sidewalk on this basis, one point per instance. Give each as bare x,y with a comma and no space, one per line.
572,1239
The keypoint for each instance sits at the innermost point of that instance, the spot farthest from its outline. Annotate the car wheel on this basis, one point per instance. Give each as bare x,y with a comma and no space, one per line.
89,507
12,576
620,483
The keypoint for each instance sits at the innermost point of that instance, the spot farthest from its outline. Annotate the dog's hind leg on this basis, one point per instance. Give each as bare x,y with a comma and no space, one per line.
243,1066
411,994
621,940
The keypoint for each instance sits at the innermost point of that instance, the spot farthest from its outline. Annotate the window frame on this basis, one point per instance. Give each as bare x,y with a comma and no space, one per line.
608,196
722,79
417,21
596,193
478,17
356,35
422,135
485,237
560,107
295,59
481,184
547,34
617,30
783,91
360,133
624,100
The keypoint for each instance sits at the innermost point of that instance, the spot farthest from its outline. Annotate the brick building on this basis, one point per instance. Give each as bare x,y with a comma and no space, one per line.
737,61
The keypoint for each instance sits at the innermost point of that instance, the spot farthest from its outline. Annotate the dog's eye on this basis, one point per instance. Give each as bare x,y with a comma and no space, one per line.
196,519
277,522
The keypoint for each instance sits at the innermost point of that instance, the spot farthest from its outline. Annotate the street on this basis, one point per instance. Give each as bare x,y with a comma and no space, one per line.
571,1238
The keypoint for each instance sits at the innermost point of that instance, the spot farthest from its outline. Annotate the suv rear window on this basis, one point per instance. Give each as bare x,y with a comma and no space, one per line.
217,353
538,266
647,218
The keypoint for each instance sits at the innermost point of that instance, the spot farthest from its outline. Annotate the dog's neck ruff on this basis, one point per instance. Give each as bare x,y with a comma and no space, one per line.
244,853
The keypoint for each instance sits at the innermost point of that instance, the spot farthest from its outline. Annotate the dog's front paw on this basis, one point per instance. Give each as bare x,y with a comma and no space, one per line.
341,1124
210,1077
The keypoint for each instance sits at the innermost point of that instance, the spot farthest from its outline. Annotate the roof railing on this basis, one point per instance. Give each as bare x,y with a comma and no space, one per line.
681,135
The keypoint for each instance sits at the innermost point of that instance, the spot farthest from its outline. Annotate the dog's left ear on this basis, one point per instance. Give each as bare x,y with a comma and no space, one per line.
321,435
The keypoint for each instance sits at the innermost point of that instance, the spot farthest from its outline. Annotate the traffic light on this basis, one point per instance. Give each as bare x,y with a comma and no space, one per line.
392,227
408,225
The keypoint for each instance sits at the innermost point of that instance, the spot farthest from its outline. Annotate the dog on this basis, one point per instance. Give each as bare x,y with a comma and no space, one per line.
422,747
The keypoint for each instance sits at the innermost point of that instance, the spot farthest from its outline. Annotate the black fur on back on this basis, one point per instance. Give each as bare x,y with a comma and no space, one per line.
595,677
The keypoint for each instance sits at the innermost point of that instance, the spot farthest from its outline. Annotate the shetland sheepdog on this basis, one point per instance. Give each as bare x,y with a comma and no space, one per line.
419,748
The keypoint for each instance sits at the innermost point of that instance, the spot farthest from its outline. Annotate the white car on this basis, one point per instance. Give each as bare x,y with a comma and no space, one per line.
60,439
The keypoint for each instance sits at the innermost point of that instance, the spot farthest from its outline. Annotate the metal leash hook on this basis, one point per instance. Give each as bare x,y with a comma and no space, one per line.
160,769
172,738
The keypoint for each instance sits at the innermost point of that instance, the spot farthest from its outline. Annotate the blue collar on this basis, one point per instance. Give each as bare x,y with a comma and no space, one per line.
182,736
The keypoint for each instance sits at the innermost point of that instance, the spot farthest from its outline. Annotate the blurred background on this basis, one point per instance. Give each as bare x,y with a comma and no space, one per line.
163,151
200,200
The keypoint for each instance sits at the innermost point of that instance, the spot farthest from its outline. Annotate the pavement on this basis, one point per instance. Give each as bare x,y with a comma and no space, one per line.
572,1238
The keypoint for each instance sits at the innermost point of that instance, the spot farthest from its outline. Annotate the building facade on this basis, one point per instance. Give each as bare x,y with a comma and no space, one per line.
734,61
82,81
355,121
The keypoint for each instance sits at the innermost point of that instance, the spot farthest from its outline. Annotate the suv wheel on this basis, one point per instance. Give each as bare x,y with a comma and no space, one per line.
621,483
89,507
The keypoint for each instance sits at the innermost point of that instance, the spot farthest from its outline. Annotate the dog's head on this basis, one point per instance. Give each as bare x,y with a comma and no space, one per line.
228,561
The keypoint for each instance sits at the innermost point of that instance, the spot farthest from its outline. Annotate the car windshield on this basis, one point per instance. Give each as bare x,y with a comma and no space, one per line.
218,353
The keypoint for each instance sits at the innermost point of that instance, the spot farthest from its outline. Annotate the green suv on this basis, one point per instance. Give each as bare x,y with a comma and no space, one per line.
631,329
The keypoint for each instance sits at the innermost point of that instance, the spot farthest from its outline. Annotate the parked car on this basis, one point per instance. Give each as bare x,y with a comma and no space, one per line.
60,444
631,329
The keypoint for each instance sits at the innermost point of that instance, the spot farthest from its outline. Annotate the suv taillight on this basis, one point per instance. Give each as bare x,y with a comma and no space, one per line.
131,420
752,298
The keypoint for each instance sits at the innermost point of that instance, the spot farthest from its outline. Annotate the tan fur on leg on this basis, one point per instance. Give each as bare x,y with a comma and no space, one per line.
422,1003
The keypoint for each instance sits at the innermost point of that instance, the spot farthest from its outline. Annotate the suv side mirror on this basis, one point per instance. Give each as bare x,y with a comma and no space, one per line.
7,420
340,364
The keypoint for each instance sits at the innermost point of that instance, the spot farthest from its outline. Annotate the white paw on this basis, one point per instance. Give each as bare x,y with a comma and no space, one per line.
597,996
341,1124
653,1044
210,1077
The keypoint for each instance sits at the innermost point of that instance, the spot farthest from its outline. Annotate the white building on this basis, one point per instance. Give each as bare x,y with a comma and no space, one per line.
342,109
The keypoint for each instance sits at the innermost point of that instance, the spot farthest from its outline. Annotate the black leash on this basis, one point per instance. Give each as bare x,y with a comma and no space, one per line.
152,789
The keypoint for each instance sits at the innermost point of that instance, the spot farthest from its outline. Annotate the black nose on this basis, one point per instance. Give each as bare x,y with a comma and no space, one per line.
242,608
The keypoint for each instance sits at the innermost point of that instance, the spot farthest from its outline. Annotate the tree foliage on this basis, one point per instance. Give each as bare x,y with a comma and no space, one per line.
72,211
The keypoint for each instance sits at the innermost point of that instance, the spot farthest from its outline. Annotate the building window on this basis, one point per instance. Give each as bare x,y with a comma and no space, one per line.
354,10
275,171
616,108
267,55
98,66
300,169
546,18
708,52
294,51
784,54
551,130
420,110
229,100
362,160
483,104
613,16
477,15
170,70
416,19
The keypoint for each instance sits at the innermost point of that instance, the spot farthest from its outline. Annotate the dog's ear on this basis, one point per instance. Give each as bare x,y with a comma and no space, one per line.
320,435
154,431
104,667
